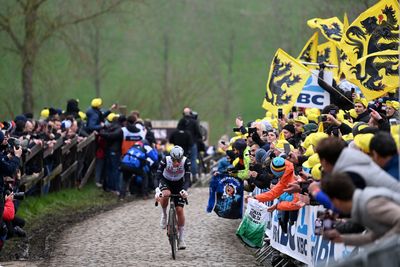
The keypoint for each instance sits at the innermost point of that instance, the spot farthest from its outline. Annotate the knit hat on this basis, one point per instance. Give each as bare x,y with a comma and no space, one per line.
393,104
111,116
278,166
316,172
358,127
301,119
310,128
362,141
290,128
362,101
44,114
261,155
96,102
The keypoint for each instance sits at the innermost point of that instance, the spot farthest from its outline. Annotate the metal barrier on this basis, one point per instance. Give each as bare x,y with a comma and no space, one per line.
61,166
385,253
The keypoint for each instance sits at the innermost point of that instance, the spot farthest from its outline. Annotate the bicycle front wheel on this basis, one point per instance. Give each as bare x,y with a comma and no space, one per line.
173,235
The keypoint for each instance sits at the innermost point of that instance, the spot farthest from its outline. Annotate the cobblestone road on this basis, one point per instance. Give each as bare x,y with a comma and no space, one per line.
130,236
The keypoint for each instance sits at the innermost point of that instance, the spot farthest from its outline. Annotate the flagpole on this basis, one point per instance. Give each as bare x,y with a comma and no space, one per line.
345,97
317,64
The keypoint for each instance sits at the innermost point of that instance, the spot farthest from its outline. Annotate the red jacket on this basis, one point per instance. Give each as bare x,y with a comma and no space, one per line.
9,212
287,177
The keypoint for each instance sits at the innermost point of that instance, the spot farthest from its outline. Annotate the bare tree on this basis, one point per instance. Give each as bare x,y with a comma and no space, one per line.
40,24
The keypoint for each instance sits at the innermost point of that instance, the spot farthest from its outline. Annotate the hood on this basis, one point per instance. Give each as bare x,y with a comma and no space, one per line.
132,128
351,157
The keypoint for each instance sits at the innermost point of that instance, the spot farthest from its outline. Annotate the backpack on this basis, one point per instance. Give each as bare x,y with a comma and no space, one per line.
134,158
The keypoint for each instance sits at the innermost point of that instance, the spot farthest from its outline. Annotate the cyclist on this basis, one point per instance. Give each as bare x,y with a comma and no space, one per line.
174,177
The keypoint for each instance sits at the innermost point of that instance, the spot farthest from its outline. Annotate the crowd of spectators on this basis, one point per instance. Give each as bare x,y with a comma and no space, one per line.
344,157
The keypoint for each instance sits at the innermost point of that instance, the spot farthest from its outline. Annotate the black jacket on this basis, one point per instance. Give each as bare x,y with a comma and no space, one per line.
113,136
338,97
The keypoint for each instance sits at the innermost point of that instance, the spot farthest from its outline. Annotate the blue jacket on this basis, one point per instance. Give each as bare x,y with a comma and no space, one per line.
392,167
94,119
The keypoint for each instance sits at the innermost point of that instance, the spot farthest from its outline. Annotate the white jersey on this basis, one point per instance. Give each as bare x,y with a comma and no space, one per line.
172,173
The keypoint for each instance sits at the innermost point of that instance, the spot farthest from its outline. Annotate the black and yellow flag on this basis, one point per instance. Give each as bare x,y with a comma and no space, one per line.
327,54
370,49
331,28
309,51
286,79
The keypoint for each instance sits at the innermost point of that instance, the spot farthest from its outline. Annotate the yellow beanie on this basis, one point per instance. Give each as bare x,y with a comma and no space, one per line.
44,114
363,101
301,119
111,116
316,172
96,102
312,161
362,141
393,104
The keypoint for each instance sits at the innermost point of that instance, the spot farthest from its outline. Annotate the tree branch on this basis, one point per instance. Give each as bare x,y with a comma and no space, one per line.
5,26
58,25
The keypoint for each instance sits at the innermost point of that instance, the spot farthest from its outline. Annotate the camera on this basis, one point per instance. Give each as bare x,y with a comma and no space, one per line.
16,143
17,195
323,118
252,130
325,221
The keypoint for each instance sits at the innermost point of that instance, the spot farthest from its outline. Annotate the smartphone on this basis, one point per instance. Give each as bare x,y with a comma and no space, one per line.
280,113
286,148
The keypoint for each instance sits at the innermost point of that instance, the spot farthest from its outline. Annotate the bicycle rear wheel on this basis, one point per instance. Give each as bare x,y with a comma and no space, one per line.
172,231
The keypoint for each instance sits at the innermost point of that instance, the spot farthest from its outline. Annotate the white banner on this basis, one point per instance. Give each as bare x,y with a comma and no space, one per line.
312,95
301,243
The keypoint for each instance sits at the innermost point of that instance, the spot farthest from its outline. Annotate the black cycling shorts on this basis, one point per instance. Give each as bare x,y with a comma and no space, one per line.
175,187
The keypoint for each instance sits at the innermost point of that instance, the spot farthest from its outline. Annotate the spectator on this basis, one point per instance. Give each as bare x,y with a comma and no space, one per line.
361,108
72,108
8,165
378,209
383,151
192,126
182,138
392,110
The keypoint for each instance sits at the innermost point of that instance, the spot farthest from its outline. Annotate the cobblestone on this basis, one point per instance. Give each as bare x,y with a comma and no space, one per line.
130,236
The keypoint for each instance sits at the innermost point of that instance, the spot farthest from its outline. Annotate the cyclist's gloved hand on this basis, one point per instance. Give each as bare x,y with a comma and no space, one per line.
184,193
158,194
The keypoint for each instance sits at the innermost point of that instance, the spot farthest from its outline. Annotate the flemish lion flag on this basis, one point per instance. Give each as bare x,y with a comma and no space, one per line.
286,79
331,28
327,54
309,52
370,49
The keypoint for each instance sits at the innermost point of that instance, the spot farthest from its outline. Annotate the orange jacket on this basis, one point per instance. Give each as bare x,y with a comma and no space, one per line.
287,177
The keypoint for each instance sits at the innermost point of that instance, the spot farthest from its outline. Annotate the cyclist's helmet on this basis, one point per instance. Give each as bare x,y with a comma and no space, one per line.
176,153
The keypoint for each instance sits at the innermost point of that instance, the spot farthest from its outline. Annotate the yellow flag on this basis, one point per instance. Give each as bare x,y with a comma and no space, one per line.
345,22
343,69
309,51
327,54
331,28
370,49
286,79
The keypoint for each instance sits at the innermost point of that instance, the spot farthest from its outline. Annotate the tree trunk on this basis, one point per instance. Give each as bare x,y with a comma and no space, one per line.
227,92
28,56
165,108
96,57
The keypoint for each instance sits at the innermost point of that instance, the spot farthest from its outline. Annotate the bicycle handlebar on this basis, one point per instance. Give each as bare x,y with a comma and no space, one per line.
173,195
